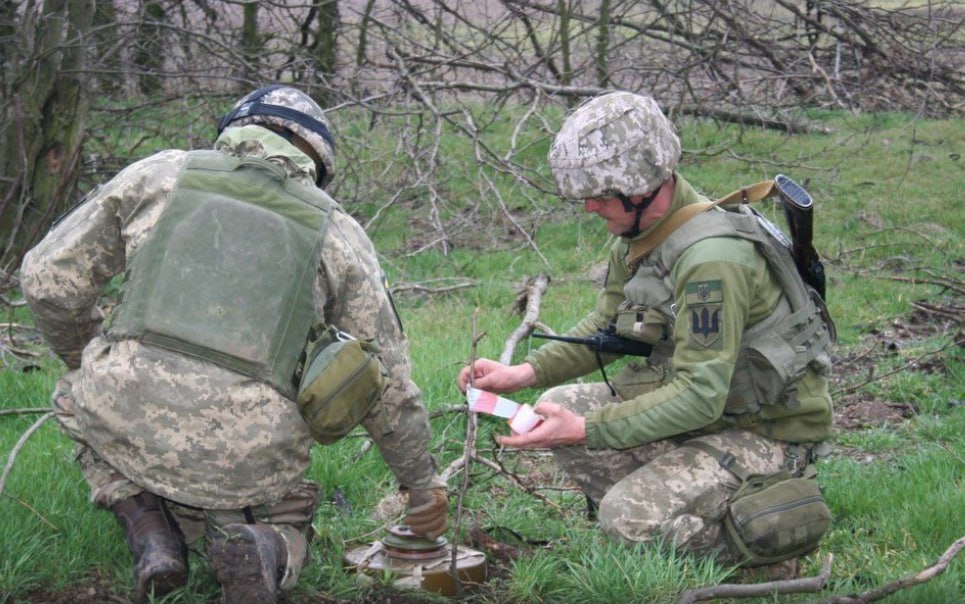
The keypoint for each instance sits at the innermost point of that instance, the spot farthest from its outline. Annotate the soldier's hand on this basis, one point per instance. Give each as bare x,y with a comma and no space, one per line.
494,376
428,512
560,427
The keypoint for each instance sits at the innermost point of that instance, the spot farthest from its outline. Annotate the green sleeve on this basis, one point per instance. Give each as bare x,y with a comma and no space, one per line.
557,362
714,282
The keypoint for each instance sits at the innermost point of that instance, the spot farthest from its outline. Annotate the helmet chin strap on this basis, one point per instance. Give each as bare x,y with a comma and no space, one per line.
628,206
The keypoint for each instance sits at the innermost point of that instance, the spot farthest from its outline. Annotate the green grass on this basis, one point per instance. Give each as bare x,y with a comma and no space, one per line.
890,226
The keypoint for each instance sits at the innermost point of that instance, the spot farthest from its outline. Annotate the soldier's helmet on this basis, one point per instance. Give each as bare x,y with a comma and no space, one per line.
286,107
618,142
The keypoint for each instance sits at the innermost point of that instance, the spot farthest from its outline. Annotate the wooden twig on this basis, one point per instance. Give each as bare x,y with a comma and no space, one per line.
922,576
738,590
509,216
20,443
500,469
943,282
911,363
425,289
952,313
468,453
36,513
24,411
528,300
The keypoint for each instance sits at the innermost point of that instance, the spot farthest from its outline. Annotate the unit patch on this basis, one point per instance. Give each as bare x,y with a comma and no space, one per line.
705,301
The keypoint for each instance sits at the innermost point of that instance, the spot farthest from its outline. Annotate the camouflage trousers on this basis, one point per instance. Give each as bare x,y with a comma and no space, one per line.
663,491
290,516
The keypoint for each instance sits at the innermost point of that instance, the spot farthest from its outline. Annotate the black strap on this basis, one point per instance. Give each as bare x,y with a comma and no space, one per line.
253,106
249,515
726,460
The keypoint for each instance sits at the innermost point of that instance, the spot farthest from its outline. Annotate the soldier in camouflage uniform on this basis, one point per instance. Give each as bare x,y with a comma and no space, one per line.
182,403
701,302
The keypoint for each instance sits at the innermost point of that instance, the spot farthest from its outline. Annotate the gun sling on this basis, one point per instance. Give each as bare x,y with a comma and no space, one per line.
751,194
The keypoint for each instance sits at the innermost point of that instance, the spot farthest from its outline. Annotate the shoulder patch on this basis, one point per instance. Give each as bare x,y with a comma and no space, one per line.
705,300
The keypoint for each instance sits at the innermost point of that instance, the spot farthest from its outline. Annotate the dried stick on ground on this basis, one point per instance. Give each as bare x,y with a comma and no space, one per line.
26,411
499,468
423,288
911,363
736,590
918,578
817,583
20,443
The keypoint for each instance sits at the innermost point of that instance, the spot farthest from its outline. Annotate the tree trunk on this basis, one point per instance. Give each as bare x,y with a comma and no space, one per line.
566,77
360,52
149,57
602,45
326,45
110,64
44,125
250,43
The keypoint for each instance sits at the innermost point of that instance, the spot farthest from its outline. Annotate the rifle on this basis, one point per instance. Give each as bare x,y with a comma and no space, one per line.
605,341
798,207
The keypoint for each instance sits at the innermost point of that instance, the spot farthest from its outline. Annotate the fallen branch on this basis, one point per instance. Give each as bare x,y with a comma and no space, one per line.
946,283
738,590
425,289
20,443
882,376
25,411
922,576
527,302
500,469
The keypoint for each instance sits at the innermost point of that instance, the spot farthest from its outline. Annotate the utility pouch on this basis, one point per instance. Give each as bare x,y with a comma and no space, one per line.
771,517
340,384
776,517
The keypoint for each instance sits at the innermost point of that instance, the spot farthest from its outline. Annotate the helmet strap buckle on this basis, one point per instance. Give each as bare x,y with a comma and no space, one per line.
637,209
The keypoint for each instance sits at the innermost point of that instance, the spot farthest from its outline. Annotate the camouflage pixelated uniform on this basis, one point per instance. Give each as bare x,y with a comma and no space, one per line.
648,483
218,445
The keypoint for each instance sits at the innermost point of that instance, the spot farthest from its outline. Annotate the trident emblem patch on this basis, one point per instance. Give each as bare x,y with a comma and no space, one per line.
705,300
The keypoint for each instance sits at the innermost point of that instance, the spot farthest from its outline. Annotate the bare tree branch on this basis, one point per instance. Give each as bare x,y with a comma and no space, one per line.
736,590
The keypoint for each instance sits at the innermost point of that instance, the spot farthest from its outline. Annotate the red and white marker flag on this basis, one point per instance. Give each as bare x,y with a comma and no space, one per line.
521,417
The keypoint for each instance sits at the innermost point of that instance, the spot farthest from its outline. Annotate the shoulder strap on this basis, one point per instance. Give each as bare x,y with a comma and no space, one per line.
643,246
726,460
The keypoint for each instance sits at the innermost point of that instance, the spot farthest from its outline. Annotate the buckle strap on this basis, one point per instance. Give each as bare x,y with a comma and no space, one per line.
726,460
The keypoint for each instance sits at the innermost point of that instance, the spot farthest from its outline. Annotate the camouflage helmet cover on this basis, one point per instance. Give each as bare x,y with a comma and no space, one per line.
289,108
617,142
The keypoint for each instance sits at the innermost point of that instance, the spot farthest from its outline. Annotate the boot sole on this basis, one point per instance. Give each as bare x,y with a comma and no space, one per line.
161,581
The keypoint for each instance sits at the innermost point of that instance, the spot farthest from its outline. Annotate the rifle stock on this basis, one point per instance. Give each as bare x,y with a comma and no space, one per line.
798,206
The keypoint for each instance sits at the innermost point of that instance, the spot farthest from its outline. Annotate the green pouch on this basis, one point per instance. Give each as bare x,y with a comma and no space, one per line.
776,517
340,384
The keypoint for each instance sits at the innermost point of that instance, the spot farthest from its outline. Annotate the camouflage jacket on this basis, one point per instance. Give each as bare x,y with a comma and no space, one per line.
185,428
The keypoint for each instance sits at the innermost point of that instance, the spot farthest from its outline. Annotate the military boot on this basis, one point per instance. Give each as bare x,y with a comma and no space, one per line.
247,561
156,543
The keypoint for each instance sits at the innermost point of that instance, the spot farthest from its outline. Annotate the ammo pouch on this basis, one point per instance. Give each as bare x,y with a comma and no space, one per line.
771,517
341,381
